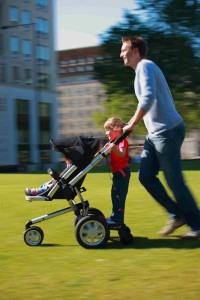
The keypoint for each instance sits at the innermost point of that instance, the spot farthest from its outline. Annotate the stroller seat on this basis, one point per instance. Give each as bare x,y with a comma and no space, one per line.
80,150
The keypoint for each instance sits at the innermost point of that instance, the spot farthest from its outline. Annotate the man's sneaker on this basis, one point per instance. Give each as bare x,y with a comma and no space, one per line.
191,235
172,224
31,192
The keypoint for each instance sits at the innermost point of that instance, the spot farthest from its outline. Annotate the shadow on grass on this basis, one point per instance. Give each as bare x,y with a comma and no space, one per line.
146,243
141,243
52,245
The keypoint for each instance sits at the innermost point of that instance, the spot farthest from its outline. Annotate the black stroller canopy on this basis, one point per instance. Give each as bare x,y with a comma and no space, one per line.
80,150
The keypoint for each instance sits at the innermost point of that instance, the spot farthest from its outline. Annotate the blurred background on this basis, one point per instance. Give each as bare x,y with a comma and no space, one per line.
61,75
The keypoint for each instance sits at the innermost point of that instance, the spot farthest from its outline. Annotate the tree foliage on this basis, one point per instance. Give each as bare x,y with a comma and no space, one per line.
172,30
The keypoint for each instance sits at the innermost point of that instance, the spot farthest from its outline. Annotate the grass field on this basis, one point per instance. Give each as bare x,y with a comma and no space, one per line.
151,268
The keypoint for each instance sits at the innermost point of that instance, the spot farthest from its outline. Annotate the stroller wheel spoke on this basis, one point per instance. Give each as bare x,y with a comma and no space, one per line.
33,236
92,232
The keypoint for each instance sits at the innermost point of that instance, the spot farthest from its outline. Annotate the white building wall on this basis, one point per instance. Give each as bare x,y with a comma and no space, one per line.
77,104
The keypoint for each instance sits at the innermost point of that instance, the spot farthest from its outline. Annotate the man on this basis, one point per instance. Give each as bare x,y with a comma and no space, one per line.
166,132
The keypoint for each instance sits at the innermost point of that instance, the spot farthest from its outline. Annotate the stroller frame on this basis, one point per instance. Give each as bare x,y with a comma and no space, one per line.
92,230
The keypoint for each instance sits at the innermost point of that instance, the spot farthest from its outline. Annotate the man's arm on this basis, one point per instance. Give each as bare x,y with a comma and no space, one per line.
138,116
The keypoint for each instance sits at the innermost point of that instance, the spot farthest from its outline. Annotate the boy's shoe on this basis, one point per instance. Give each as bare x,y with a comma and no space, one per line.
31,192
125,235
191,235
172,225
111,222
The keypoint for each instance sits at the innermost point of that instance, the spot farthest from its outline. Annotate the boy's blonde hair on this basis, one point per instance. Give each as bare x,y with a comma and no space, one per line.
113,122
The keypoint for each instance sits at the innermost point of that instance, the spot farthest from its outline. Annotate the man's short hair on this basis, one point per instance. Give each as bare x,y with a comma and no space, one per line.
137,42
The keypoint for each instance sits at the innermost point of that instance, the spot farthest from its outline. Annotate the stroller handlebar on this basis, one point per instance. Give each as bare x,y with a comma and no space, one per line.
122,137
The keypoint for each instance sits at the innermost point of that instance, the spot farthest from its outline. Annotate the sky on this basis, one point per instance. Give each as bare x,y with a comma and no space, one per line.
80,22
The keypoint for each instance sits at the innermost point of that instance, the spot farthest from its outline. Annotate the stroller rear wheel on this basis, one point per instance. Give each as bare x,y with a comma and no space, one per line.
33,236
92,211
92,232
96,212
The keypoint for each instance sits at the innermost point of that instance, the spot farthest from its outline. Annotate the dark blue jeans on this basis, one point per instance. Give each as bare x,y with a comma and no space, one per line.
163,152
118,194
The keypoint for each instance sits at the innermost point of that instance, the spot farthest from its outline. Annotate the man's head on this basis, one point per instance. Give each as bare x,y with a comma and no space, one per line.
133,50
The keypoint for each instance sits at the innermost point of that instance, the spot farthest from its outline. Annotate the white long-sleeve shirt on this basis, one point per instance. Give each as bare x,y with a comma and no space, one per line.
155,98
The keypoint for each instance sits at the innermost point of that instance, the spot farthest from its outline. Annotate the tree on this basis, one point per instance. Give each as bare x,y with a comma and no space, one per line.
171,35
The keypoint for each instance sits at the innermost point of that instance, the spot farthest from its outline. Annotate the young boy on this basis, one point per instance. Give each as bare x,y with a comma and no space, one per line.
119,157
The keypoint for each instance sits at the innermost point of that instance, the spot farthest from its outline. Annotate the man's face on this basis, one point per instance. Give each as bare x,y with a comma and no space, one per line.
127,53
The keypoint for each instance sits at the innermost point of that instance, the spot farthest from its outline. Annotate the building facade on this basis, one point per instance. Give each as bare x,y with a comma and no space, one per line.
28,99
80,95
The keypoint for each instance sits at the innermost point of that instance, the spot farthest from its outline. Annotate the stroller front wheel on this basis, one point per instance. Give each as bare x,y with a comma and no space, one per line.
92,232
33,236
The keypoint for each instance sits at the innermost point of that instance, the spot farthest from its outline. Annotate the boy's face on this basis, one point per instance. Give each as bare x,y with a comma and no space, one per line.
113,132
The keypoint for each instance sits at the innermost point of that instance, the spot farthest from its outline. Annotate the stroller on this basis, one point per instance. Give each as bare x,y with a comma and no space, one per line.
91,227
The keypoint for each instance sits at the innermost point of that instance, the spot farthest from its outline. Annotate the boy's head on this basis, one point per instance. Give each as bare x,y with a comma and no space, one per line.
113,127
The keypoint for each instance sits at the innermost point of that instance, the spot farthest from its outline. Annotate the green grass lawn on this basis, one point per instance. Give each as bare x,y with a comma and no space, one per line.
151,268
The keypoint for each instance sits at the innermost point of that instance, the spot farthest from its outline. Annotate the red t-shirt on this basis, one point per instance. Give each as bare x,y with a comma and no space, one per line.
118,163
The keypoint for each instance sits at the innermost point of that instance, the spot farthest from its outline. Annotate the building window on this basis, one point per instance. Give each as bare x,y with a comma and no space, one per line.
63,62
89,68
1,13
3,105
13,14
81,60
4,136
1,43
23,130
42,25
62,71
26,17
71,69
42,53
2,73
22,121
80,69
43,3
28,76
26,47
42,80
15,74
14,44
90,59
45,130
72,61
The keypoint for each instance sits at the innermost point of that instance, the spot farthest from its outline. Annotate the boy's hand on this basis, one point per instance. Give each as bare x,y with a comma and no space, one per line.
107,145
112,146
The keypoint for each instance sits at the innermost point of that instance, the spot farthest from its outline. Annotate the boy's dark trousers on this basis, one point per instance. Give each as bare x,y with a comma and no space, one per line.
119,192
